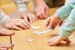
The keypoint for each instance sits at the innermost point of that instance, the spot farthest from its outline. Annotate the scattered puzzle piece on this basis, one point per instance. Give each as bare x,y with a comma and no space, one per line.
36,32
30,40
35,27
46,31
71,36
43,32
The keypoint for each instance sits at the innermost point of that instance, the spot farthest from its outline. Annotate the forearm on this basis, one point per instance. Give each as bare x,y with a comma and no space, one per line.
64,11
4,19
68,27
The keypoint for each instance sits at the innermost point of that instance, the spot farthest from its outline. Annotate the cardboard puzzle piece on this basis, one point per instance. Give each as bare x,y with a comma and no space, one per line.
43,32
35,27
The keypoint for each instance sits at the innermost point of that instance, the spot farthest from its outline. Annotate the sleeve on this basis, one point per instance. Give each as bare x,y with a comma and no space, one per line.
68,27
64,11
4,19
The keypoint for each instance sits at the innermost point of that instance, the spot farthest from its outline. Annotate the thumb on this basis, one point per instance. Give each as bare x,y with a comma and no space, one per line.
50,25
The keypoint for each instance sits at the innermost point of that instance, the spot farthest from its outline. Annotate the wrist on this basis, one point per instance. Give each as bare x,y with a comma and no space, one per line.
7,21
4,19
37,2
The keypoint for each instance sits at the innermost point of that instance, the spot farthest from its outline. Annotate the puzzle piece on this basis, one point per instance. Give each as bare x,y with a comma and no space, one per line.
43,32
35,27
36,32
71,36
46,31
30,40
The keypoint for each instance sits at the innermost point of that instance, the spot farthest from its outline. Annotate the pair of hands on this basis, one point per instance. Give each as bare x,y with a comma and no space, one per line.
24,22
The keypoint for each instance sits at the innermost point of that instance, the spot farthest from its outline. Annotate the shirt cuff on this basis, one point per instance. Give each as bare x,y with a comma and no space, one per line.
64,33
4,19
64,11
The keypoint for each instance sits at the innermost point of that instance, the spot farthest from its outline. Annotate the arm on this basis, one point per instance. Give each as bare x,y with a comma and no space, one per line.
68,27
60,15
65,31
4,19
64,11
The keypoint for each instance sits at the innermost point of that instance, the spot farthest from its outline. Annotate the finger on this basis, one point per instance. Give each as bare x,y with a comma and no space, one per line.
31,15
6,32
26,25
54,26
67,40
6,45
3,48
22,26
41,16
50,24
47,23
62,43
44,15
24,17
37,12
52,44
46,11
50,41
55,43
34,17
16,27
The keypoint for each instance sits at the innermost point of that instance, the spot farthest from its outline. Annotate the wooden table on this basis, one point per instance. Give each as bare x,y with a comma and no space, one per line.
39,41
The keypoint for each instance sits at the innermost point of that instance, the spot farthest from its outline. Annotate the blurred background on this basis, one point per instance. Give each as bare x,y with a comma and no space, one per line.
9,6
55,3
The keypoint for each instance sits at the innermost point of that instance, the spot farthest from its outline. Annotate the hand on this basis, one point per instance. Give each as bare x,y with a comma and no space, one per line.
5,32
52,21
41,9
58,41
6,46
29,17
54,41
18,24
